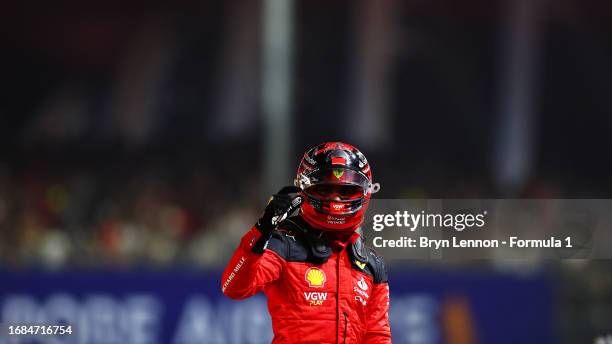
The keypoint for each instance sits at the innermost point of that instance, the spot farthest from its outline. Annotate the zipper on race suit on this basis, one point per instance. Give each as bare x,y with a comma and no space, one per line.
345,325
338,298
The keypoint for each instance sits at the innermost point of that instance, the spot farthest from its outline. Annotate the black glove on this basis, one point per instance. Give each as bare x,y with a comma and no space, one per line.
281,205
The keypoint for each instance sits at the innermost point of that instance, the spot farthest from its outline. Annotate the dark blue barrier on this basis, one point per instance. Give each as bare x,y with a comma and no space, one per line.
179,307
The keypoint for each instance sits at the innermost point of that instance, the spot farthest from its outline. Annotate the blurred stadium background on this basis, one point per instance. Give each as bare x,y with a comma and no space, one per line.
139,140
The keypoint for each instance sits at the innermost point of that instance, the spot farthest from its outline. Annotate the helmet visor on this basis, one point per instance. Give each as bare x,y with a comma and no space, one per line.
337,184
335,192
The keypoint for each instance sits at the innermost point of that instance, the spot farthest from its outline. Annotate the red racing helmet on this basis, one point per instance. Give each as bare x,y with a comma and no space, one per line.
336,181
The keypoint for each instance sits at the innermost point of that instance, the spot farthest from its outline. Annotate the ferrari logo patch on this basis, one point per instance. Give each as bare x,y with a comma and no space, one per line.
338,173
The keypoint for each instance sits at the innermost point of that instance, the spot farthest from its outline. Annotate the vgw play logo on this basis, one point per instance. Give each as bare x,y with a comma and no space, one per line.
315,298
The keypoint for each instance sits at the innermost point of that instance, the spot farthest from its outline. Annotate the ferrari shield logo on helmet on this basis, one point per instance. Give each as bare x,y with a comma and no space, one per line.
338,172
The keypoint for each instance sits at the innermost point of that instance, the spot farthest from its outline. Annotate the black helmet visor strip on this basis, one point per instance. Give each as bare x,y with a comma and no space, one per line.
337,190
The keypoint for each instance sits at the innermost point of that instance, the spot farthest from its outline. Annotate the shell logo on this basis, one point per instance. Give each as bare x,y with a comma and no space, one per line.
315,277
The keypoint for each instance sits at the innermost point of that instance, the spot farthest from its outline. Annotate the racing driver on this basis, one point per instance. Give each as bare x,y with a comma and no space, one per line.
306,253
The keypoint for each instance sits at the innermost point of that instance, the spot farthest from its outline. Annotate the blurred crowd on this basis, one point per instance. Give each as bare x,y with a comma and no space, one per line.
144,217
158,213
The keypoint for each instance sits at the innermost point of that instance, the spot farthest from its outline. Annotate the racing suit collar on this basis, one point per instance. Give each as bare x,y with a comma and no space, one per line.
338,241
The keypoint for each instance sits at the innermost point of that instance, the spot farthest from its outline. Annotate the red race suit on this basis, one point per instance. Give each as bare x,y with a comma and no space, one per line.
319,291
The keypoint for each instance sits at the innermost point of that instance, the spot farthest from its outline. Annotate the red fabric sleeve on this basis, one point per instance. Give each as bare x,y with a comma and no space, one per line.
248,272
378,329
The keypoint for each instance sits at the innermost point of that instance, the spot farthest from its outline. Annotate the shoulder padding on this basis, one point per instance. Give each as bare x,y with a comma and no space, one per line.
378,266
287,244
365,259
296,242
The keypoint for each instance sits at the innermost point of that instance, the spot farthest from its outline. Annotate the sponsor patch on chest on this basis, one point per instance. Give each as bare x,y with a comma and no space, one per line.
315,298
361,291
315,277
